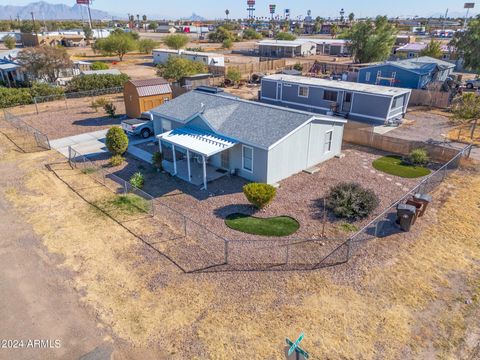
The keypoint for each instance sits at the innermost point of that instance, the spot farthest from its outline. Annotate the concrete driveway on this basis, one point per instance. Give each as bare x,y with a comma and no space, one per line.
93,144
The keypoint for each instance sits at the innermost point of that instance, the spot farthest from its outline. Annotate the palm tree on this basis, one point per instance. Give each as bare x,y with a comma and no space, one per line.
227,12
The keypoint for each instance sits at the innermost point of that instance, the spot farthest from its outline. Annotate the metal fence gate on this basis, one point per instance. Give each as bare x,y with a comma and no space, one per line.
40,139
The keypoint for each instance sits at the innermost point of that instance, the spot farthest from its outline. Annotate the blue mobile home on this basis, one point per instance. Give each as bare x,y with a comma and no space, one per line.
351,100
414,73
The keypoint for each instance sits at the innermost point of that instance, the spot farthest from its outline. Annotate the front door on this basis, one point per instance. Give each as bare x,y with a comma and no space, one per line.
225,159
347,102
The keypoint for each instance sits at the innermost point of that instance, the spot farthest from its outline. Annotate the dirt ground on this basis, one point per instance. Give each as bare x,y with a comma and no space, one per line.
419,298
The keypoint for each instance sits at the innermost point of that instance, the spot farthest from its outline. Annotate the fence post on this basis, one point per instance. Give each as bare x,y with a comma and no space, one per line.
70,155
125,190
184,226
36,105
288,253
226,251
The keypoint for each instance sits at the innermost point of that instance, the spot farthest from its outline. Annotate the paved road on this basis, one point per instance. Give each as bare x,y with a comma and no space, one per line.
37,301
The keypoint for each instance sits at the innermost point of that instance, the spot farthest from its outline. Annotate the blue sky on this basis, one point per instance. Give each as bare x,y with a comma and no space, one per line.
216,8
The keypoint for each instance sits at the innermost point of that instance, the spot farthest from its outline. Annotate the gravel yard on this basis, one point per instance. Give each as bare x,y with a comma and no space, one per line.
57,121
299,196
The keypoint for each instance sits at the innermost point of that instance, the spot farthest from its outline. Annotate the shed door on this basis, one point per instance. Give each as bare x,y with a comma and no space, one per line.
347,102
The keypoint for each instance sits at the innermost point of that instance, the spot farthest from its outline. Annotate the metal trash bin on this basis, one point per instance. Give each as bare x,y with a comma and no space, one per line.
425,200
406,216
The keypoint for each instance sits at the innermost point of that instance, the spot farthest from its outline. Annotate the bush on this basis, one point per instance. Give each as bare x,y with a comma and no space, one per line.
13,97
146,46
110,109
298,67
419,157
96,81
351,201
116,141
98,103
259,194
137,180
116,160
234,75
157,159
43,89
99,65
251,34
285,36
227,44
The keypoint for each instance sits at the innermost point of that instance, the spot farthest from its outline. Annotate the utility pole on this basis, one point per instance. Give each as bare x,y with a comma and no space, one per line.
89,14
34,27
444,20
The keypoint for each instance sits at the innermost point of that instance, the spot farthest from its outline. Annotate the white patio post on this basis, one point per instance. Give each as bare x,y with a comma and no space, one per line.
204,172
188,166
174,161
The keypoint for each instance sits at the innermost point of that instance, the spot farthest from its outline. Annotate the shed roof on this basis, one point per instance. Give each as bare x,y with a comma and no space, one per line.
102,72
340,85
284,43
151,87
246,121
421,65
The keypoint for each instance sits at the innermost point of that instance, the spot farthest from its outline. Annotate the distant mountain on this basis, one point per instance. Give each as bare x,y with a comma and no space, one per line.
43,10
194,17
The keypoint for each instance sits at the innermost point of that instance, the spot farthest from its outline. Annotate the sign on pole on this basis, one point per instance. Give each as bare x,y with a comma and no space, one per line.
469,5
294,347
83,2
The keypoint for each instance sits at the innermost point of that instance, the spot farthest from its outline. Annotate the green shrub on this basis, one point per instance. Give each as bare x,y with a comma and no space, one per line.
157,159
146,46
137,180
98,103
116,141
110,109
298,67
259,194
227,43
419,157
43,89
13,97
285,36
96,81
99,65
116,160
351,201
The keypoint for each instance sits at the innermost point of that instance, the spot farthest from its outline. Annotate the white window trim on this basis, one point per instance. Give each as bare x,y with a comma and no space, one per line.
367,76
243,158
308,91
325,148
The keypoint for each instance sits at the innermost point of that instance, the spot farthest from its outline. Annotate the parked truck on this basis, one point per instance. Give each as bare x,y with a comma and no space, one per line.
143,126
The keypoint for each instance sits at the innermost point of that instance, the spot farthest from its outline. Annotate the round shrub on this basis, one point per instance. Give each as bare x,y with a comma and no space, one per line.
116,160
99,65
117,141
419,157
137,180
259,195
351,201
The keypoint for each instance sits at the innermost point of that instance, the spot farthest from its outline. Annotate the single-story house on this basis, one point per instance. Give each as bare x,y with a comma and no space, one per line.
348,99
330,46
286,48
143,95
204,136
413,50
414,73
161,56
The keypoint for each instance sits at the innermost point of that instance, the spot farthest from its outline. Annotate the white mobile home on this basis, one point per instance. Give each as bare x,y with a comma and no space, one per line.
161,56
286,48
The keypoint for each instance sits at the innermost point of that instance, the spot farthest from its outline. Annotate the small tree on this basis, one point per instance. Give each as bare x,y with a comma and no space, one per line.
251,34
351,201
44,62
99,65
351,17
433,49
176,41
177,68
259,194
116,141
88,33
118,43
334,30
146,45
157,159
466,109
110,109
10,41
227,44
234,75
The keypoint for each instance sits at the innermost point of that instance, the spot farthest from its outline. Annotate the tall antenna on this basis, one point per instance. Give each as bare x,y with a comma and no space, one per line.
444,20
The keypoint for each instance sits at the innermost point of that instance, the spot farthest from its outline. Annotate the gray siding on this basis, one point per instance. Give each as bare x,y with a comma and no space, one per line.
314,99
269,89
260,159
303,149
159,124
371,106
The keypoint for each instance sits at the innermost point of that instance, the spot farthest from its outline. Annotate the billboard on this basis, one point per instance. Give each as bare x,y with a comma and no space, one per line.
83,2
469,5
272,8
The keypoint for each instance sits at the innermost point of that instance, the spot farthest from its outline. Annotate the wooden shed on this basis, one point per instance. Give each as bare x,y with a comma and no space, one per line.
144,95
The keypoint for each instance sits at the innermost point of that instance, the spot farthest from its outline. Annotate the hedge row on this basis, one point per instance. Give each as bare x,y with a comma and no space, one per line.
96,82
23,96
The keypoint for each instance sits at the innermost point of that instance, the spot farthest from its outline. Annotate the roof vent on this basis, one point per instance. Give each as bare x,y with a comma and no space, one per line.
202,108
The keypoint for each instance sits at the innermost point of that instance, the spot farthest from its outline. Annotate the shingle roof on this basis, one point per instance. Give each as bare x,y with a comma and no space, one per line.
245,121
149,82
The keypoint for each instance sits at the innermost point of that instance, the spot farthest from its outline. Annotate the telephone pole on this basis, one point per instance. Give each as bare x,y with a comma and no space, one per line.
89,15
34,27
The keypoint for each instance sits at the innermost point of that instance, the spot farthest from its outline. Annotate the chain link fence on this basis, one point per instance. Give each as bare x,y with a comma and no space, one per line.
194,248
28,138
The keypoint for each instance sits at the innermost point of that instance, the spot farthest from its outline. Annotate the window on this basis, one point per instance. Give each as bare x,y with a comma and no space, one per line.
166,125
303,91
328,141
330,95
397,102
367,76
247,158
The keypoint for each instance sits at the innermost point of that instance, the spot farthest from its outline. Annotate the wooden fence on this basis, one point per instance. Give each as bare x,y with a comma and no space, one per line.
437,99
366,137
248,69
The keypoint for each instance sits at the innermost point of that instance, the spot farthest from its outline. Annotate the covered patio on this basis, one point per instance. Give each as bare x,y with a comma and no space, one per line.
191,149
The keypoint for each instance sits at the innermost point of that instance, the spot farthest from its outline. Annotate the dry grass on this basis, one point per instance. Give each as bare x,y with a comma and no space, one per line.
463,133
410,306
